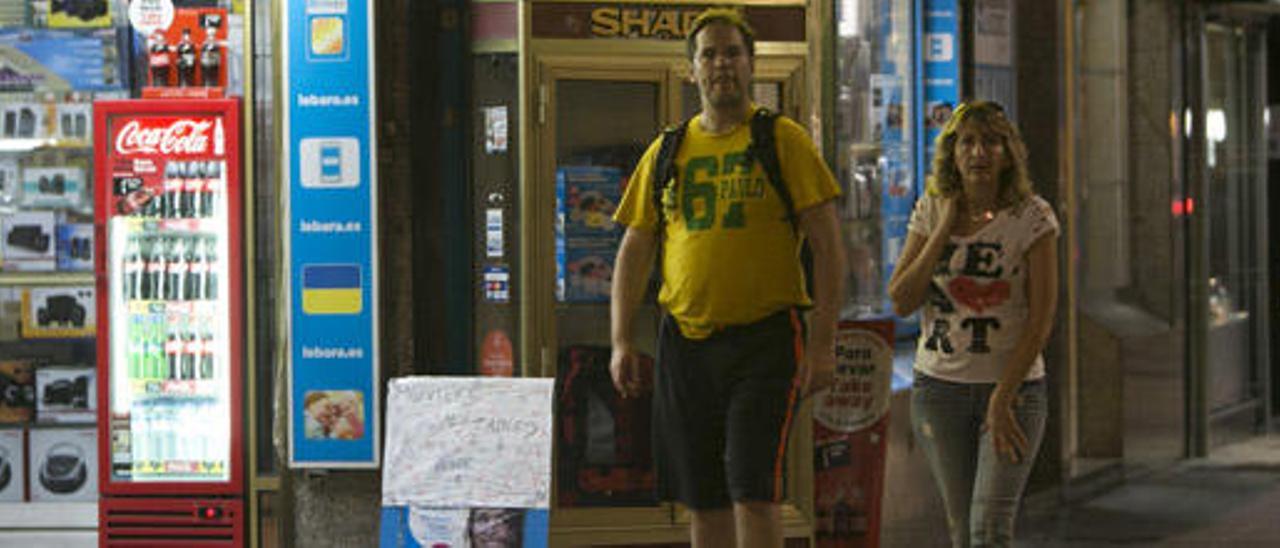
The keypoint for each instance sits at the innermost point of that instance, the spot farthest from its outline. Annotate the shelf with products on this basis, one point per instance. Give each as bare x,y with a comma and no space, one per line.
168,358
47,515
48,440
56,313
154,438
46,228
48,117
177,470
23,279
171,273
139,308
31,144
190,197
43,392
38,425
169,227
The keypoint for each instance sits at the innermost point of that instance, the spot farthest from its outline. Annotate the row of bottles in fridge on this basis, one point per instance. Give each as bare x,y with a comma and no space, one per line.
162,348
174,437
177,267
190,190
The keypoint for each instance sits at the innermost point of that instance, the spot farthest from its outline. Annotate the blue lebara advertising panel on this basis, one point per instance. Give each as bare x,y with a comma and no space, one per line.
940,53
892,102
332,234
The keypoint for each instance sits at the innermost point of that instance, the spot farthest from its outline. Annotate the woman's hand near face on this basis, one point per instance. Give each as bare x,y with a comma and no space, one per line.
909,284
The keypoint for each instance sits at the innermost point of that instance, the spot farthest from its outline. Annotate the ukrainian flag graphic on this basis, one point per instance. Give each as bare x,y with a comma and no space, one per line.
331,289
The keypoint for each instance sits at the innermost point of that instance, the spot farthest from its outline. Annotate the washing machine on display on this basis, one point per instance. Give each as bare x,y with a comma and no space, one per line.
11,471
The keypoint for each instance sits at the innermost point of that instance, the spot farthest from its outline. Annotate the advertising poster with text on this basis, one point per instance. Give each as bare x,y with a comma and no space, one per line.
851,423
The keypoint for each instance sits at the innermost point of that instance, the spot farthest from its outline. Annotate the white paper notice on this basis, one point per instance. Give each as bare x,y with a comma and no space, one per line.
460,442
493,233
993,37
495,129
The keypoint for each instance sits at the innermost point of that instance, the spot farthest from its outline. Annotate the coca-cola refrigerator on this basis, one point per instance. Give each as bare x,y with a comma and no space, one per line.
170,303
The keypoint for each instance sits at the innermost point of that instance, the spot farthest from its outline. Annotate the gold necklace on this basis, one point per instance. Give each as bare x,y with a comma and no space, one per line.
982,216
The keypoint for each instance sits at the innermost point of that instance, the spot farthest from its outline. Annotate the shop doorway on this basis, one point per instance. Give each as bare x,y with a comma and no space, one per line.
597,119
1231,372
599,124
594,117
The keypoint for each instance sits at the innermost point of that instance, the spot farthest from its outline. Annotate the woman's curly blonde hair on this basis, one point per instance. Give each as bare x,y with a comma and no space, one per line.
944,180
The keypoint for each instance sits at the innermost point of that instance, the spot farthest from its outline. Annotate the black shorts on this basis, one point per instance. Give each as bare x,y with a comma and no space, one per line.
722,409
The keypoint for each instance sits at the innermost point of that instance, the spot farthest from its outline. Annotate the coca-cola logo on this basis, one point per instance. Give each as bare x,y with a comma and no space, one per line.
179,137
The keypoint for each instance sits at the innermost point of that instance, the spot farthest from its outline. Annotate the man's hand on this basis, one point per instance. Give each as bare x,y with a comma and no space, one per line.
627,372
819,371
821,226
636,255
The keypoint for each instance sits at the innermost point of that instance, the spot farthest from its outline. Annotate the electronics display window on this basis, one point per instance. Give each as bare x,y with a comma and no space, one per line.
60,57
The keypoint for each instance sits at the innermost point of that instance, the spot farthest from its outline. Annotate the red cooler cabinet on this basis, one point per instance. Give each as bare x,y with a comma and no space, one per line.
170,308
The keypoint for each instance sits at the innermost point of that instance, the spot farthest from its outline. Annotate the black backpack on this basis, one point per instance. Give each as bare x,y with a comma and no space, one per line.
763,149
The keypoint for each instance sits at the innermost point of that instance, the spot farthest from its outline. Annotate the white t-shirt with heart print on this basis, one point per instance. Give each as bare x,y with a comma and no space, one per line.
977,304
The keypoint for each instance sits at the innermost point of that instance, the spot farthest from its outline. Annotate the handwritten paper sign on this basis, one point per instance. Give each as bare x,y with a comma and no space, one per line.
467,442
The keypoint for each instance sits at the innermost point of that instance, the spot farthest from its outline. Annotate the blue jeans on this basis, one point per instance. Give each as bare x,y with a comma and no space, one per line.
980,489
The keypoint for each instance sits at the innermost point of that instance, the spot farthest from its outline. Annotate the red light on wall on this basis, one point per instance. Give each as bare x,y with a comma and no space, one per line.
1185,206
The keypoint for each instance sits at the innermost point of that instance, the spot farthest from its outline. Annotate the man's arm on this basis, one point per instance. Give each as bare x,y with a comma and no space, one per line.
631,272
822,228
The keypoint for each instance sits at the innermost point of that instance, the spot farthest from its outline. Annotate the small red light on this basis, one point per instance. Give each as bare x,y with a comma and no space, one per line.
1185,206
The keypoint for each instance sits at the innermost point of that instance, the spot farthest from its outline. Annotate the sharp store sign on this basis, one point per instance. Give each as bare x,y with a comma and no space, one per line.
576,20
637,22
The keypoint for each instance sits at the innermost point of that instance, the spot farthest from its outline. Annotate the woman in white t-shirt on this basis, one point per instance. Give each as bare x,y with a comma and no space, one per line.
981,258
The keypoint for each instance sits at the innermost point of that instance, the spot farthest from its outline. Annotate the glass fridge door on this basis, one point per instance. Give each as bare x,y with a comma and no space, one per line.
169,304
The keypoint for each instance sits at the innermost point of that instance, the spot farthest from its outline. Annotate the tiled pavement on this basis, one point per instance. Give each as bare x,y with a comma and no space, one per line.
1231,499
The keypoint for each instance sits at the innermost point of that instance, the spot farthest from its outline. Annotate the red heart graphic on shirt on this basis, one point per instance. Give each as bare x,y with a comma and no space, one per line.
977,296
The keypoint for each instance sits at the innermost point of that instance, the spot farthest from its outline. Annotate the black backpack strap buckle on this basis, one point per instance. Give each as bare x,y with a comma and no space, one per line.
664,169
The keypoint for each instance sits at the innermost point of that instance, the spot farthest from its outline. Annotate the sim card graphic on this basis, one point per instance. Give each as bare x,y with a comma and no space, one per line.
328,38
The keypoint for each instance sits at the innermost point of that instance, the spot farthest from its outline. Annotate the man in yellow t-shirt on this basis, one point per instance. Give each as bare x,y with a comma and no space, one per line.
732,355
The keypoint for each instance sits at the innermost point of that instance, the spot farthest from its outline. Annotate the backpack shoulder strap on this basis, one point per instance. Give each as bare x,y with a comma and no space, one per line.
664,168
764,149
